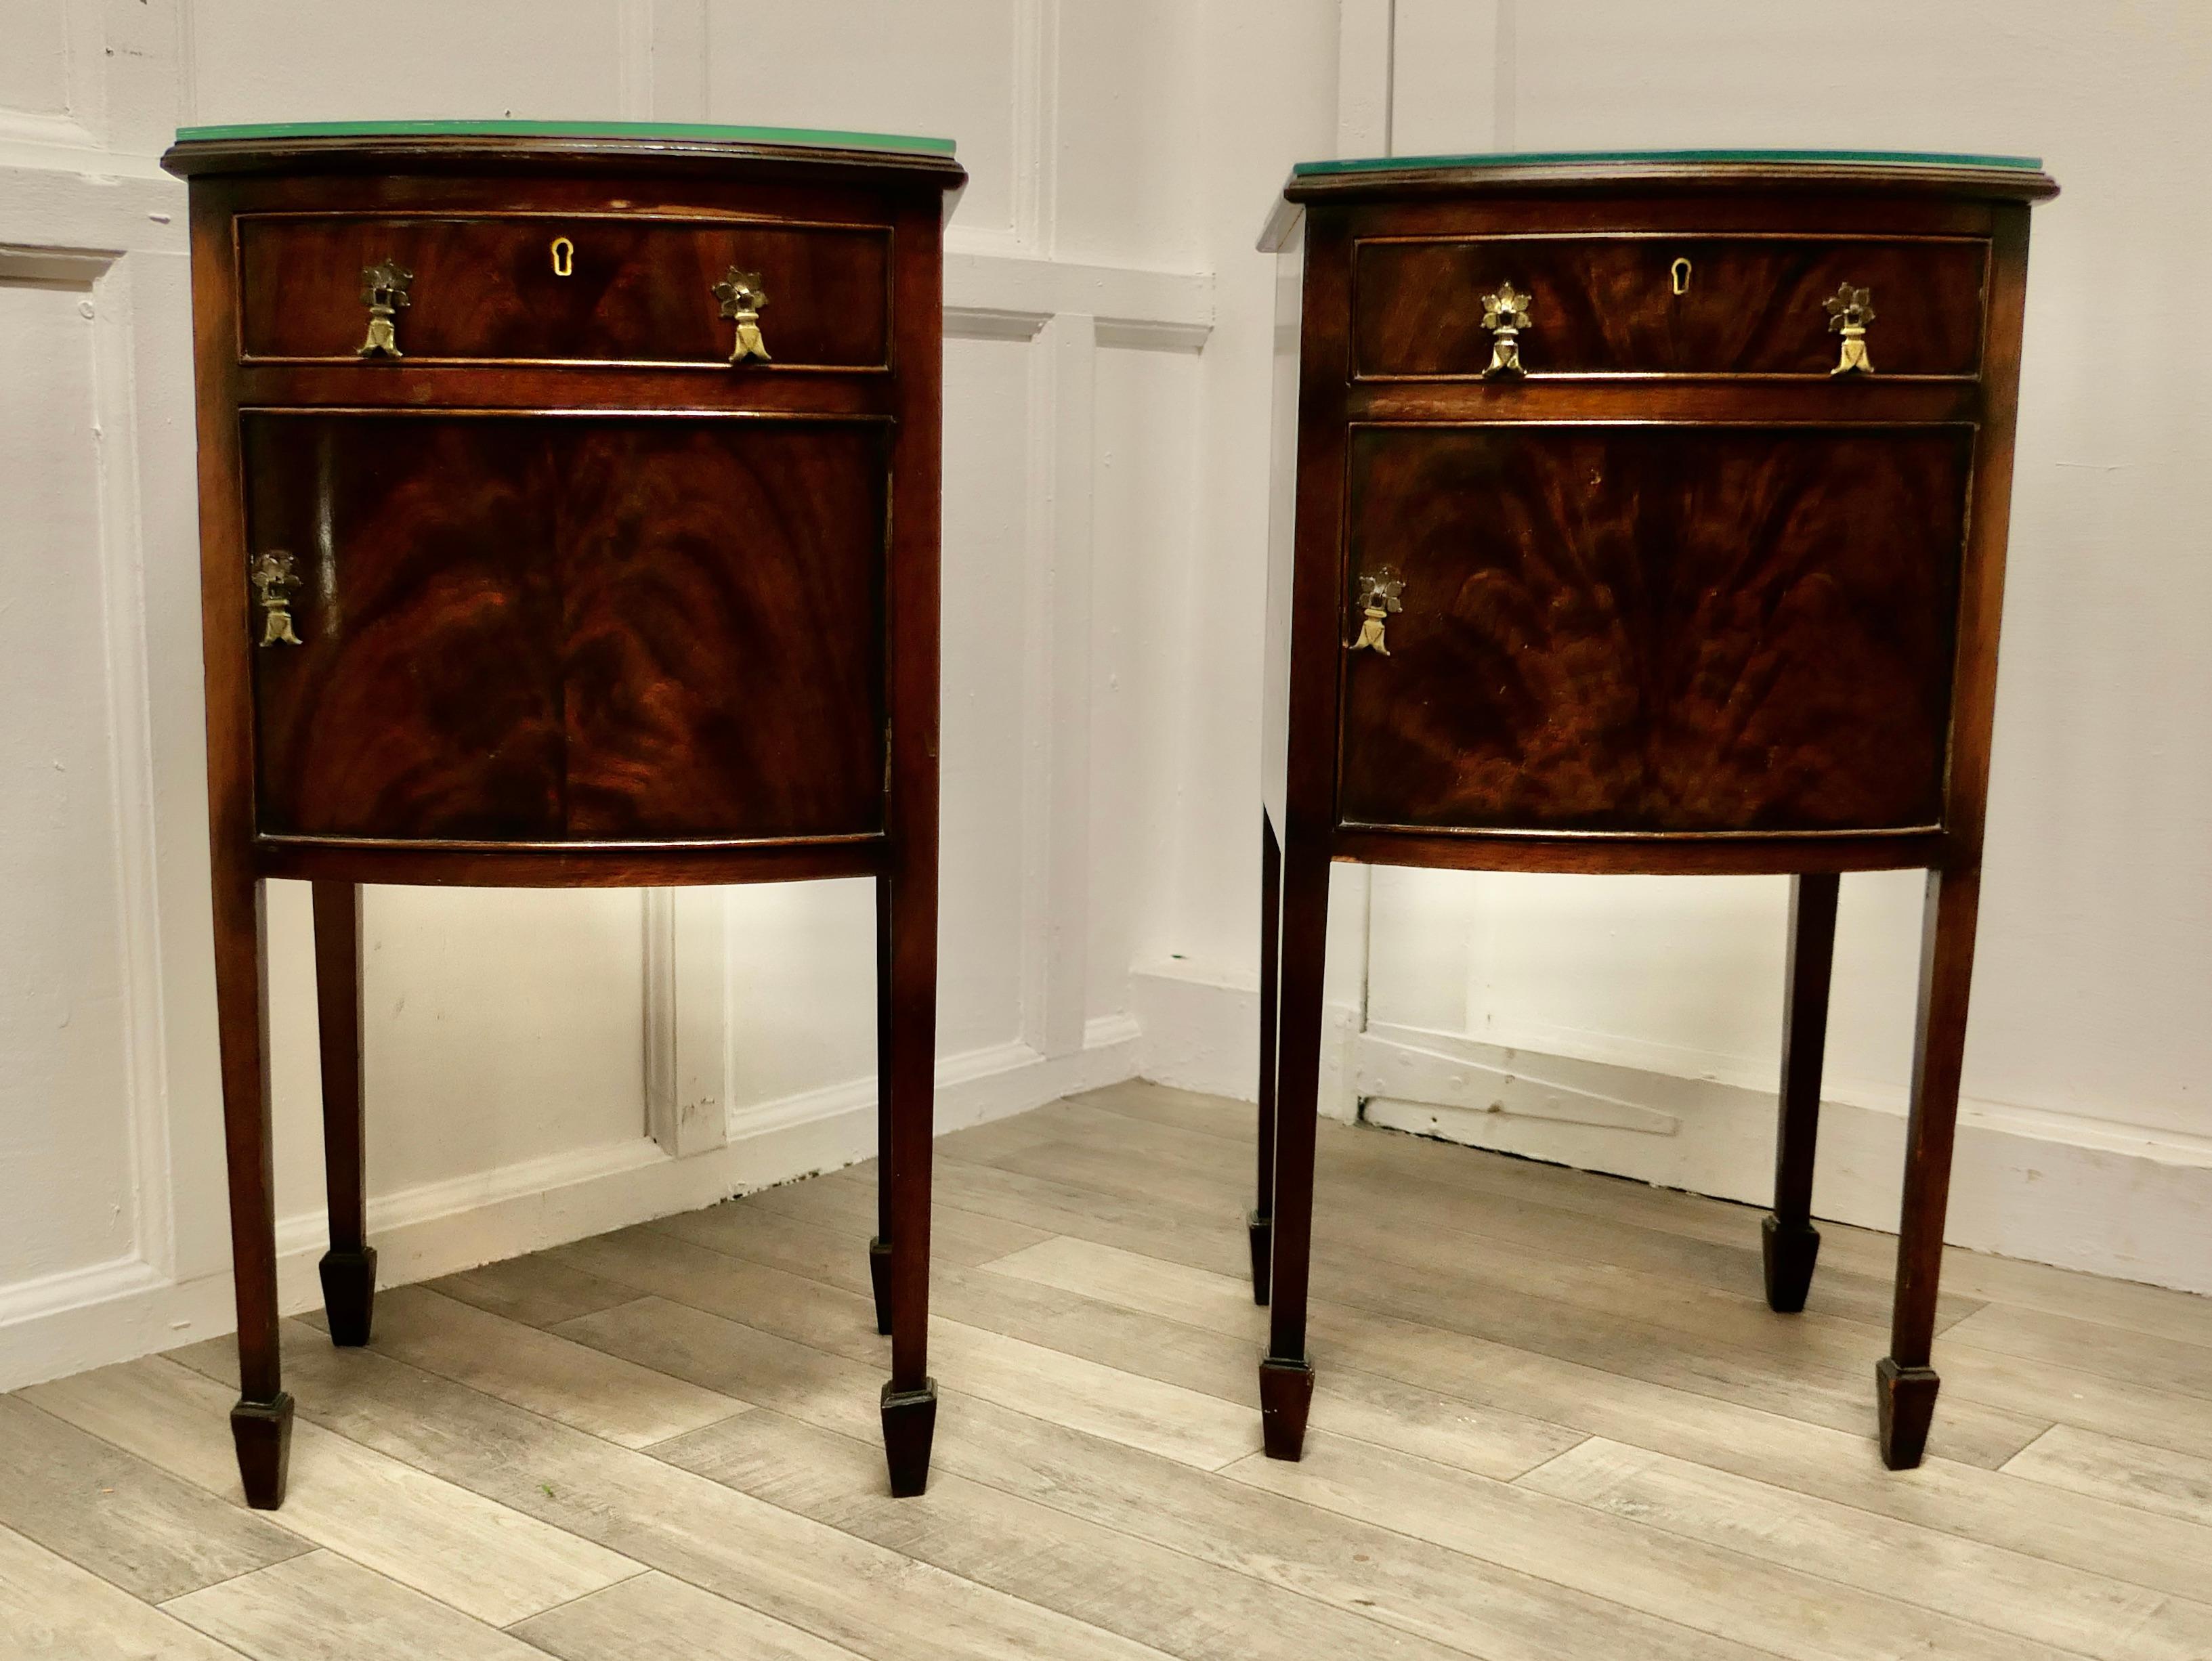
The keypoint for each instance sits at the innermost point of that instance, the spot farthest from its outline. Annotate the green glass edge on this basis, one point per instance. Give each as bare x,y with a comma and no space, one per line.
807,136
1520,158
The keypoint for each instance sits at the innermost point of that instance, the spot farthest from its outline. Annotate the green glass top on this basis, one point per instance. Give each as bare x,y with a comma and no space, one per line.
1534,158
809,137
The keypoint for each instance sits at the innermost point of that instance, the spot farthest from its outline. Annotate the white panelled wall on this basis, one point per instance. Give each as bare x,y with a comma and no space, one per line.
543,1065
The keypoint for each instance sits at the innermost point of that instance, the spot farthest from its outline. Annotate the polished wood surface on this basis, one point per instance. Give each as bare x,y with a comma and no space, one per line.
1907,1382
1750,306
1789,1243
1558,1423
593,628
425,700
1747,192
723,625
1258,1222
1677,599
565,622
407,168
665,863
1641,854
637,291
908,1400
349,1267
1669,628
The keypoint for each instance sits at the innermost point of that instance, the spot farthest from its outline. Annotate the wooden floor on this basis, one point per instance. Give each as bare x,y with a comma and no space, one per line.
1555,1421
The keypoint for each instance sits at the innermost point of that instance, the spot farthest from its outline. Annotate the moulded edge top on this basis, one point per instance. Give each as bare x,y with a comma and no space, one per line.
362,146
1607,158
2010,178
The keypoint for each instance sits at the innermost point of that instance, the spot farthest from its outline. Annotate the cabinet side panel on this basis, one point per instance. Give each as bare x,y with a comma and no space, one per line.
224,603
1981,596
1282,520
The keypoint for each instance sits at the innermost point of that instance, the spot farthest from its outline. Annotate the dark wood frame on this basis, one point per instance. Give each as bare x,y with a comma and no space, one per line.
1304,831
906,195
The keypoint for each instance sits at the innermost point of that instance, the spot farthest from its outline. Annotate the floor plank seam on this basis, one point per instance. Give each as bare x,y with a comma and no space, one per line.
639,1573
1476,1232
1338,1364
1549,1459
1810,1566
1319,1305
1474,1563
230,1496
672,1574
1574,1316
991,1266
1479,1563
232,1579
226,1581
2006,1469
463,1384
1867,1238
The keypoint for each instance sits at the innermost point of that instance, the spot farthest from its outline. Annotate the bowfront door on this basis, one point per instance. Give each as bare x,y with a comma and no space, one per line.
584,627
1645,627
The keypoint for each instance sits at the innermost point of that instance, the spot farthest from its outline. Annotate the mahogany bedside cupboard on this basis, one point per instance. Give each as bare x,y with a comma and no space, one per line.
568,516
1640,512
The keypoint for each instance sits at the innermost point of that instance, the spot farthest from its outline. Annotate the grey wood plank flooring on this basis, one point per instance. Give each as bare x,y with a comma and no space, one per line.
129,1521
1554,1422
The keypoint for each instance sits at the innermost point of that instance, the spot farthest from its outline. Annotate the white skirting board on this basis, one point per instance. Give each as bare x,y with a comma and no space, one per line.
114,1311
2072,1192
1202,1032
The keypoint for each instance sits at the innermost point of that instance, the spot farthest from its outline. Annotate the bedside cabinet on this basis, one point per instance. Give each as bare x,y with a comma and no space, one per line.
569,504
1640,513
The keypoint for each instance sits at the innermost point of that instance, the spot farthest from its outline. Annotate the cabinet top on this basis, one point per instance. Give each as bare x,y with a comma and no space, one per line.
2014,178
398,146
1611,159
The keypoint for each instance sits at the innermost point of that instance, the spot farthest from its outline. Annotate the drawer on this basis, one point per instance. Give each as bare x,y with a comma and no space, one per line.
1652,627
1661,305
584,288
